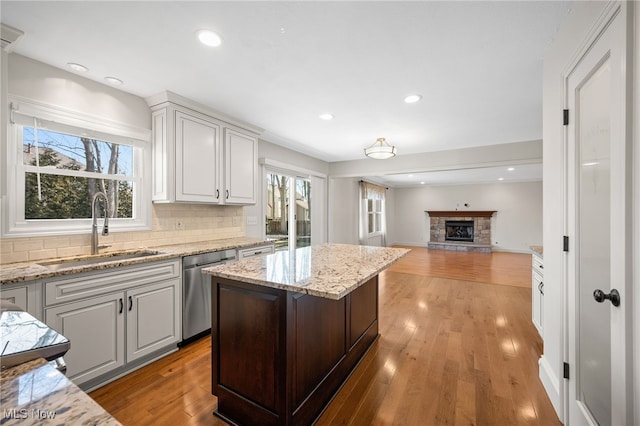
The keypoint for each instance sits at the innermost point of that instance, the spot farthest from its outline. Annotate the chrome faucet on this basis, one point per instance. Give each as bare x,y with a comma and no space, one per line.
94,220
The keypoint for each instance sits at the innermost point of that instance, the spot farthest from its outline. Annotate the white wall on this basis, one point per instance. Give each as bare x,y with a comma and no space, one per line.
38,81
516,225
343,210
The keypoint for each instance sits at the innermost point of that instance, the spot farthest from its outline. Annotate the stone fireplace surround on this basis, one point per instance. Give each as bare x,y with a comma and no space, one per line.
482,230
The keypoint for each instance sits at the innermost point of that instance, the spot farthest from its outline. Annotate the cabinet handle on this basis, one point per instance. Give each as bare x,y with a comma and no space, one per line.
540,287
130,303
227,193
217,194
541,266
121,305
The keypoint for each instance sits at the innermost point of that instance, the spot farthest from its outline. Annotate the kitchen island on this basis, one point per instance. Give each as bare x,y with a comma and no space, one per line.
288,329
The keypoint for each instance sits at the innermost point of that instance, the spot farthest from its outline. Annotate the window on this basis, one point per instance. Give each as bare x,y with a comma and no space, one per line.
63,172
60,167
374,216
372,220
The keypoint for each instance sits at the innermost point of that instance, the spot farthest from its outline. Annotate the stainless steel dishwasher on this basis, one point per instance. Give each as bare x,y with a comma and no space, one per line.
196,292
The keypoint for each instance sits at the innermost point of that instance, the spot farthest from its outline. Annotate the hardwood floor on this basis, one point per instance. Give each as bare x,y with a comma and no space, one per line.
456,346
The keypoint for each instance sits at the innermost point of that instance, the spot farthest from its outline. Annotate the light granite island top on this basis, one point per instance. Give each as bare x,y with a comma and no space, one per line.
328,270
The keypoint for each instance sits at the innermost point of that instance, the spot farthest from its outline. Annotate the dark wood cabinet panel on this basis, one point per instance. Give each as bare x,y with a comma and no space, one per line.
364,310
319,341
248,332
278,357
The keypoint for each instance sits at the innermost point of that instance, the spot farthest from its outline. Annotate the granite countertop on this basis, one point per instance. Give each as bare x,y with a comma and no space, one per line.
328,270
24,338
27,271
36,393
537,250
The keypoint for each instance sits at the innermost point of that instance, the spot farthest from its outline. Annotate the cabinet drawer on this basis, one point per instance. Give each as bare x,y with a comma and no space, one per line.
17,296
256,251
100,282
538,265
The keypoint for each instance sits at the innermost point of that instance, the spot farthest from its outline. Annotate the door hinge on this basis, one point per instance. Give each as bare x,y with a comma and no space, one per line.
565,243
565,117
566,370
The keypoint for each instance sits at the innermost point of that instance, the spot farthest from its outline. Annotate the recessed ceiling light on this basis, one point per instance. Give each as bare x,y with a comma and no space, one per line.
326,116
421,183
500,178
114,81
510,169
412,99
77,67
209,38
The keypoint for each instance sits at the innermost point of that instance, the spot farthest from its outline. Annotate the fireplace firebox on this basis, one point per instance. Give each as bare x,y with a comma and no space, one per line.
459,230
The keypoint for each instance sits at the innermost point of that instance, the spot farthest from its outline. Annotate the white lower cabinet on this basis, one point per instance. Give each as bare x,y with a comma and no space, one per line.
139,316
26,295
95,328
537,293
151,318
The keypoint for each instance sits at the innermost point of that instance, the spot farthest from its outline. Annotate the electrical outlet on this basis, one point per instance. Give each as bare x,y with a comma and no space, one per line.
235,221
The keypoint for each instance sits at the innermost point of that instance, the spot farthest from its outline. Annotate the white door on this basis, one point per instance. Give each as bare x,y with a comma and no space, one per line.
288,197
598,225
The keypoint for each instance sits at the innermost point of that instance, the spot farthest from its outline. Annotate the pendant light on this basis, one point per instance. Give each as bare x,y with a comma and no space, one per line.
380,150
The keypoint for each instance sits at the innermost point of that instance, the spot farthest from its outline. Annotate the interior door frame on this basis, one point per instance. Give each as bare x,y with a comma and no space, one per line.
622,399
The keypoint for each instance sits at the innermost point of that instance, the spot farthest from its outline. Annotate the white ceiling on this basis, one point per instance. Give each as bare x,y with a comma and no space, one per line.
478,65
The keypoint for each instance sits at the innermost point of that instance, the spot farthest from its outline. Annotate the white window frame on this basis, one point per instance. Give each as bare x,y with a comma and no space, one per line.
66,121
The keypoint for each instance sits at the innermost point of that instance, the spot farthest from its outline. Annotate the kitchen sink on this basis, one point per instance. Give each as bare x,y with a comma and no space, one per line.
95,259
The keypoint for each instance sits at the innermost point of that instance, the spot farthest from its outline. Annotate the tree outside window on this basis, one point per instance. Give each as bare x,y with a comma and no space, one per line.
70,171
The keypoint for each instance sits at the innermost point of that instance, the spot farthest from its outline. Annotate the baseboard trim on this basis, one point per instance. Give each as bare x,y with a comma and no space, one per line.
551,384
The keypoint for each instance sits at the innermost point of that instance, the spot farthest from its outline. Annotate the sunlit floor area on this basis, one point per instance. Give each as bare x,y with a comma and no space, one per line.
456,346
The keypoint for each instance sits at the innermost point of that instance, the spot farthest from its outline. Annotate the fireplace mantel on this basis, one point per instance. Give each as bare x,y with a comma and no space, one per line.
460,213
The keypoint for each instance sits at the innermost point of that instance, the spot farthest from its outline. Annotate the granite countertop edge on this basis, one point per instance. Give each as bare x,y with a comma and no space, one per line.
537,250
35,387
28,271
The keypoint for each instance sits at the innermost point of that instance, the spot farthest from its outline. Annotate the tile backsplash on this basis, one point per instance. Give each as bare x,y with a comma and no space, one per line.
171,224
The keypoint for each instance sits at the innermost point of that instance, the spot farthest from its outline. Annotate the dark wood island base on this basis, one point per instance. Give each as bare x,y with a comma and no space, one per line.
278,356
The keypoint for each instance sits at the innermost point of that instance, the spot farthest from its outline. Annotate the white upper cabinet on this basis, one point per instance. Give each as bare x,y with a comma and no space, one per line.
197,159
241,157
192,163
